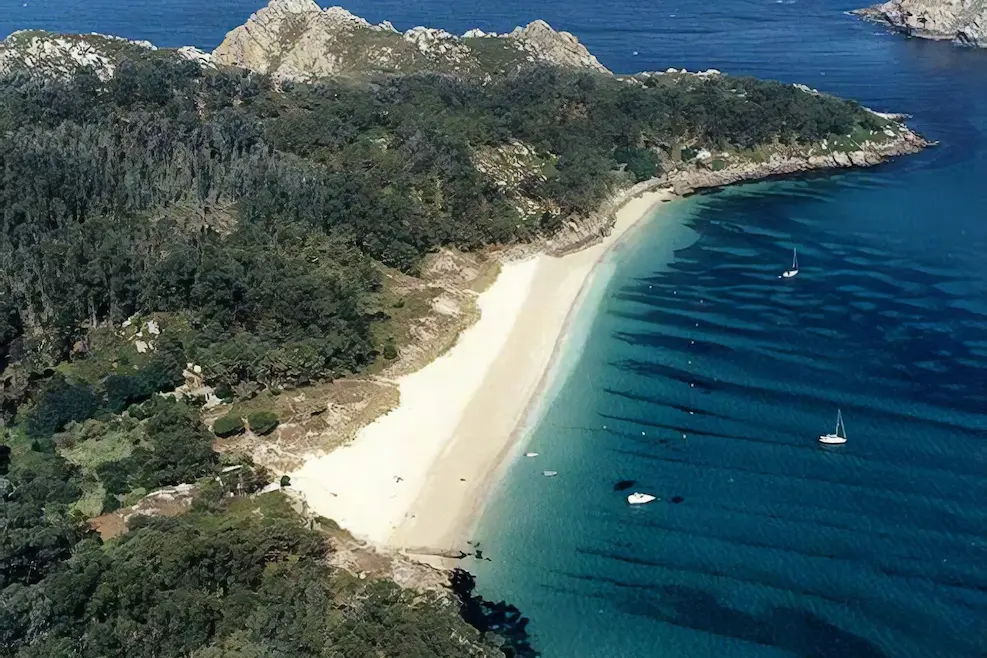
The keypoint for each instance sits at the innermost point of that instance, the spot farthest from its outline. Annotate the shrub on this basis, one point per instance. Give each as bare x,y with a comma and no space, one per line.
141,411
110,503
262,422
390,352
285,481
162,373
59,405
643,163
122,390
225,392
228,425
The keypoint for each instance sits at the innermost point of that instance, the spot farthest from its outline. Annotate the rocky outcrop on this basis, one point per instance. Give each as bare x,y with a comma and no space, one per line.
578,233
962,21
558,48
688,179
59,55
298,40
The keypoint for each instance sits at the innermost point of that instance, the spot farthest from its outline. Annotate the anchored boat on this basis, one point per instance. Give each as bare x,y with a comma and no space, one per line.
839,436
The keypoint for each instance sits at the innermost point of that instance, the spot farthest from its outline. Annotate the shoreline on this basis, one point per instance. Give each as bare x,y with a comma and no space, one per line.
439,524
416,478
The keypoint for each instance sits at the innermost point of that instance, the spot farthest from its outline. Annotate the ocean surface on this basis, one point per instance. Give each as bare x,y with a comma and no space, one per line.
696,372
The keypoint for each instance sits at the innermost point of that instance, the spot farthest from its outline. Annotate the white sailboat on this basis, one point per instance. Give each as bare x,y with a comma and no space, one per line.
639,498
788,274
839,436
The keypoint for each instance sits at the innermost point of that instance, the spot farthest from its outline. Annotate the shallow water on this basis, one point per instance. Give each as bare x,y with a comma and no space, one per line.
778,547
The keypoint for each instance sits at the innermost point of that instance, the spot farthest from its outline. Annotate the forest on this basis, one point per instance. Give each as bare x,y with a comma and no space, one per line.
256,222
235,577
263,214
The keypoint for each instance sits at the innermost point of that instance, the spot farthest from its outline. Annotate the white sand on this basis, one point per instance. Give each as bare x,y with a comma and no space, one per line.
418,476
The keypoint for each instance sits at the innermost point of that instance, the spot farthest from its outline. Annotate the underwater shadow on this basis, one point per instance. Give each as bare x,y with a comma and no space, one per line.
793,630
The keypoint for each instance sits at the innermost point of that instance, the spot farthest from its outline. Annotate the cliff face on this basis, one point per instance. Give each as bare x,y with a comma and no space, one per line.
963,21
57,55
296,39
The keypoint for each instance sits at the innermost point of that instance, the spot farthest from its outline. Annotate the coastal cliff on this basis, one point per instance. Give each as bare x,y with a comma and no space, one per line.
298,40
961,21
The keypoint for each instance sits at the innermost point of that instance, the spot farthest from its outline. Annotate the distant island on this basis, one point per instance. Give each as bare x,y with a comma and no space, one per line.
215,268
961,21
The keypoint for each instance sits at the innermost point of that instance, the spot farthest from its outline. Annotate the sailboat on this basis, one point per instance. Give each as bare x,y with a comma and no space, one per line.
839,436
788,274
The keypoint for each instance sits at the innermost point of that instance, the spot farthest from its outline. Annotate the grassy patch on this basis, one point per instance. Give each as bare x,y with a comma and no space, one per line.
271,505
495,55
94,443
90,504
91,444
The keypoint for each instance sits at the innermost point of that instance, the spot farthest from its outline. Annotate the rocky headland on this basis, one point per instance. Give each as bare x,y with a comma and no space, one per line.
297,39
960,21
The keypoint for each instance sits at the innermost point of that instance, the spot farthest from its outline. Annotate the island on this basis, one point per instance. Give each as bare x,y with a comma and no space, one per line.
250,299
961,21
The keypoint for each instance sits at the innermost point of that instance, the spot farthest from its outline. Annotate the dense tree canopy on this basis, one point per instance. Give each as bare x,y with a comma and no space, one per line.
212,584
261,210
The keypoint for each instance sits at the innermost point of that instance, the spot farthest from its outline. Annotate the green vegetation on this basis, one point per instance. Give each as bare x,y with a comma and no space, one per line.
262,422
257,219
235,577
228,425
255,225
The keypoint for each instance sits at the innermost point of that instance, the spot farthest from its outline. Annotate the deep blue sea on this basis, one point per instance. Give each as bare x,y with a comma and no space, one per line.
706,379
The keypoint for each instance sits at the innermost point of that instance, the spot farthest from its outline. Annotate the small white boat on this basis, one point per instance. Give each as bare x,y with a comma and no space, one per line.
549,474
788,274
531,454
638,498
839,436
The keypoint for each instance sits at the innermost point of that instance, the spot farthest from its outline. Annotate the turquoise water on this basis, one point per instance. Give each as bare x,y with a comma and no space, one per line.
707,379
777,547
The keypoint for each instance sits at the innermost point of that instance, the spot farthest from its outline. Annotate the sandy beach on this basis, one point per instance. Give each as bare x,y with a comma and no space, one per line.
417,477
